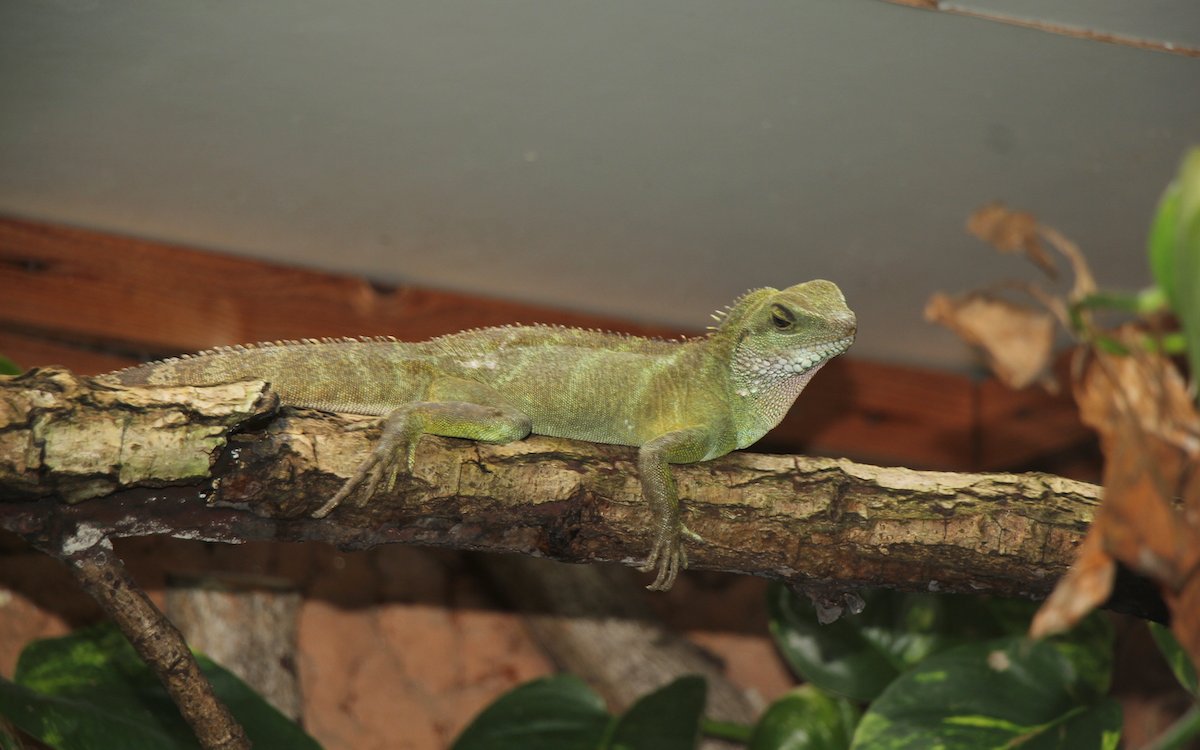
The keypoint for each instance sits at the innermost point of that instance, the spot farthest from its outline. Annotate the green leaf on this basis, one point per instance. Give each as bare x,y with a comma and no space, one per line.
8,367
1161,243
1145,302
554,713
90,689
1187,258
562,713
1174,251
730,731
1176,657
859,655
667,719
79,723
1007,693
806,719
1089,647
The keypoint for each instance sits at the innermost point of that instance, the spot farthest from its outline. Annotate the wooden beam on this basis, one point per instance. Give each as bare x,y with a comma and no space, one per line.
75,284
35,351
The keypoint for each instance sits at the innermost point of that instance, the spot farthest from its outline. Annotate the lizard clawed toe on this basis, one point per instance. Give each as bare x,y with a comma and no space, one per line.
668,557
381,462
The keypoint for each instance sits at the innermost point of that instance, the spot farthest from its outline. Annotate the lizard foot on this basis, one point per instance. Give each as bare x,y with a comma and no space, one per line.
390,457
668,557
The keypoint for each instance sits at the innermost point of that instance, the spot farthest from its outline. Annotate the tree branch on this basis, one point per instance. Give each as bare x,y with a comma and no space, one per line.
224,464
158,642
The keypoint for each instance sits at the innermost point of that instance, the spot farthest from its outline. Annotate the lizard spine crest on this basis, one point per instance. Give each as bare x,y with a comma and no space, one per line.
262,345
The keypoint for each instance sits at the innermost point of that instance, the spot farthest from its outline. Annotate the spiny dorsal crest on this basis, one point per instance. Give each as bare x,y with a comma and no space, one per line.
218,351
734,317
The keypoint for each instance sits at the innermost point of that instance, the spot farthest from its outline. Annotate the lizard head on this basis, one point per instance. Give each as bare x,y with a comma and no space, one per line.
777,341
803,325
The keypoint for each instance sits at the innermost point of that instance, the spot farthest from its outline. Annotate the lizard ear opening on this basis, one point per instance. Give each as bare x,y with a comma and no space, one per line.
782,317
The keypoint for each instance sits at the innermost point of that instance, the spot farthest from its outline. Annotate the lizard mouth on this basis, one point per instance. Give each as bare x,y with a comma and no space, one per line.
808,358
796,362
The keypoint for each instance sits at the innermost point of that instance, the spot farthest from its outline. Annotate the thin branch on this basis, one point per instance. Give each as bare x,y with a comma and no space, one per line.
825,525
1068,30
160,644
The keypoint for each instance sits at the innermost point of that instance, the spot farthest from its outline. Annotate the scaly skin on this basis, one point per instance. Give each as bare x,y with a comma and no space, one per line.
678,401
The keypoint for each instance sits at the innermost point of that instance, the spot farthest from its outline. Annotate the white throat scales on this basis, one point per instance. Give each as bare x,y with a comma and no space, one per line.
771,382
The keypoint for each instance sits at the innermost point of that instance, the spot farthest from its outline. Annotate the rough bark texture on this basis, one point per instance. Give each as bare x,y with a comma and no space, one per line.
826,525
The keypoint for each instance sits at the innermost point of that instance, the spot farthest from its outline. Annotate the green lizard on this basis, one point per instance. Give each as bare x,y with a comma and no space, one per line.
679,401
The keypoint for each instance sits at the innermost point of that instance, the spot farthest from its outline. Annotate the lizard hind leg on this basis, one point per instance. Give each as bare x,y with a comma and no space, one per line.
402,428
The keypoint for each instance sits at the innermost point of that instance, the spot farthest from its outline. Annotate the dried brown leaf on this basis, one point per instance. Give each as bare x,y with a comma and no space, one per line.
1011,232
1085,283
1018,340
1145,387
1085,586
1139,406
1185,617
1185,605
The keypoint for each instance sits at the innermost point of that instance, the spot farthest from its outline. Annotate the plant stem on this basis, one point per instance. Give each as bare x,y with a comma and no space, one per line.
725,730
1179,734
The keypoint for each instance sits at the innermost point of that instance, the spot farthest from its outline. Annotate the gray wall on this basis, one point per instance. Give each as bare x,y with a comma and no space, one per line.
645,159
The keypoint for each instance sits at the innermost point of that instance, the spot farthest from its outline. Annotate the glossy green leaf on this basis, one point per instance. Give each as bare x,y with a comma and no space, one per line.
562,713
1176,657
8,367
1161,243
79,723
806,719
553,713
90,689
1174,251
1007,693
667,719
1089,648
1187,258
859,655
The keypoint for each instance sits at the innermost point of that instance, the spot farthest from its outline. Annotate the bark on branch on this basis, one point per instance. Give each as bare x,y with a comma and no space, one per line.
225,464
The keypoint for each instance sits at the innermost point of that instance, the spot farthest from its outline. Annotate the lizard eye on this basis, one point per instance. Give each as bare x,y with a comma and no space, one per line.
782,317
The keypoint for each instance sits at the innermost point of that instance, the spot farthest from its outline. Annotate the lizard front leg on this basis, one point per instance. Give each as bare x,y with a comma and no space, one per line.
667,554
456,408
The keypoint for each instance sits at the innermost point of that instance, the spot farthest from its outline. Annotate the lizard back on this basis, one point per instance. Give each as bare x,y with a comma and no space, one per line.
357,376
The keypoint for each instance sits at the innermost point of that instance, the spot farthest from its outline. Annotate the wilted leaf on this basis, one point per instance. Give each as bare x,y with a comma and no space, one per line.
1017,340
1185,616
1185,602
1085,586
1149,432
1140,407
1085,283
1011,232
